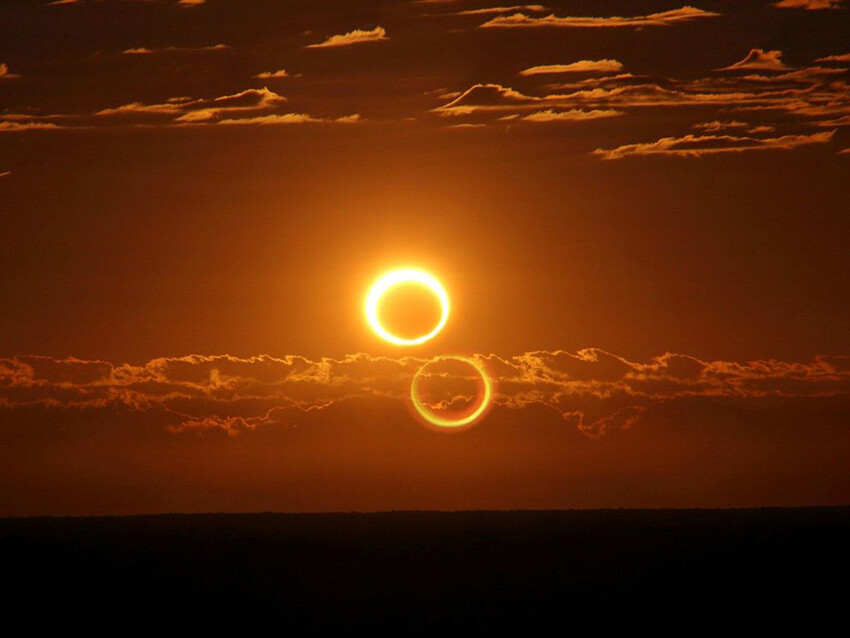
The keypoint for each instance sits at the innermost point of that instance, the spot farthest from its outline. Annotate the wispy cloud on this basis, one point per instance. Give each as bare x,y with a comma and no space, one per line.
759,59
844,57
186,4
717,126
700,145
572,115
503,9
7,126
378,34
664,18
290,118
247,107
760,82
173,49
582,66
268,75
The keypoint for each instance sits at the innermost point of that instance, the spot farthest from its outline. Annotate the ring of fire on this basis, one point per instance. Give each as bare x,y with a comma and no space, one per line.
391,280
443,422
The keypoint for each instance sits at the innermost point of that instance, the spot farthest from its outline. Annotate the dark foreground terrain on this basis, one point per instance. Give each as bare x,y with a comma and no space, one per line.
416,573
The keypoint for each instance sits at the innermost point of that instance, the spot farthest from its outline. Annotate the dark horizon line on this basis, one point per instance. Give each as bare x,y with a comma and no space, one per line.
402,512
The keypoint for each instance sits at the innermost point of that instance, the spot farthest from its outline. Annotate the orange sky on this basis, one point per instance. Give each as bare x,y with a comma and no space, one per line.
638,210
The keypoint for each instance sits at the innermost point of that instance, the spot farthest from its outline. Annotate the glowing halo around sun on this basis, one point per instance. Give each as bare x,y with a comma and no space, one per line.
457,423
395,278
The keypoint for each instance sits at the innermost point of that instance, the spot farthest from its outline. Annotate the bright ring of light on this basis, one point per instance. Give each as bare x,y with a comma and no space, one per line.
439,421
395,278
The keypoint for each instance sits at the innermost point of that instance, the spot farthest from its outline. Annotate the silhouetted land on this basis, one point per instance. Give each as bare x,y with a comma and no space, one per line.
415,573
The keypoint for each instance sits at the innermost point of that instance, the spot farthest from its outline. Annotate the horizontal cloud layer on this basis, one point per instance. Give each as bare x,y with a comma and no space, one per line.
250,106
592,389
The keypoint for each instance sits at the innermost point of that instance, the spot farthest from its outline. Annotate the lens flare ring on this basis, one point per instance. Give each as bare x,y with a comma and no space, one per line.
404,276
442,422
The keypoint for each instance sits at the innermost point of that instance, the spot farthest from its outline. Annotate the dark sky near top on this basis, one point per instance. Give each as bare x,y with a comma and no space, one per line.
597,184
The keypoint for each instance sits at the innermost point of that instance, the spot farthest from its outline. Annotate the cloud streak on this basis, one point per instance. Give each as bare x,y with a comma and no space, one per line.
700,145
582,66
174,49
247,107
809,5
358,36
664,18
759,59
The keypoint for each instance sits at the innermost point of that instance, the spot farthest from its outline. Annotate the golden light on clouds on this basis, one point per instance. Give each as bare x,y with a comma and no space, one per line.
391,281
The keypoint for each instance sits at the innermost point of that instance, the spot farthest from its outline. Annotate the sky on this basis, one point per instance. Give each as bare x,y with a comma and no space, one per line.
638,210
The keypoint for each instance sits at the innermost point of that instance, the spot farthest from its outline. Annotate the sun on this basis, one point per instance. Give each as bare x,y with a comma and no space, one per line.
404,276
468,419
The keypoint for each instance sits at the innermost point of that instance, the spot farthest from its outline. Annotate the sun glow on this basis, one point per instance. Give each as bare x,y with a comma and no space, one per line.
399,277
468,419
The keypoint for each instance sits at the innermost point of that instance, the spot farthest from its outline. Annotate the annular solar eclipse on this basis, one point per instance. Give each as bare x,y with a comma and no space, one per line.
396,278
473,415
412,276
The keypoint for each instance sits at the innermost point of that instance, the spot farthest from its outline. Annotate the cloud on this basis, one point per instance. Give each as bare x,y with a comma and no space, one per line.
816,92
716,126
761,60
486,96
148,51
265,75
12,127
492,10
247,101
844,57
811,5
843,120
697,146
582,66
665,18
139,107
292,118
378,34
573,115
593,389
186,4
5,74
248,107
